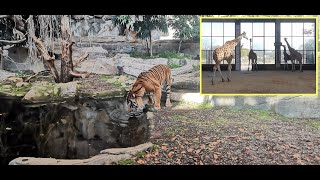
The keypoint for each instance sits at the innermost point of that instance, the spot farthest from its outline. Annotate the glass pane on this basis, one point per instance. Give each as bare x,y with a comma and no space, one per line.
228,38
284,42
269,43
229,29
206,43
217,42
297,43
258,43
309,43
270,57
297,29
247,27
269,29
204,57
260,57
285,29
245,44
257,29
308,29
206,29
217,29
310,57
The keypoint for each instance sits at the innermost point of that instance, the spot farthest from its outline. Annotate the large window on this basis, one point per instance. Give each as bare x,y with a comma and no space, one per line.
215,34
301,37
262,35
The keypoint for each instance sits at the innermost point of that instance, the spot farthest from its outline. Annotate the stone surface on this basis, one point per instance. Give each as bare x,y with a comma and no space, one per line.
129,150
45,92
106,157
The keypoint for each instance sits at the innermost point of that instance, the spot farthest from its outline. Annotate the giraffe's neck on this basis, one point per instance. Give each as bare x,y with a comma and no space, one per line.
284,49
250,44
237,40
289,47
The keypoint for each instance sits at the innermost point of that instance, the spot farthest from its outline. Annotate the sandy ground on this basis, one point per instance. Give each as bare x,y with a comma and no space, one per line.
262,82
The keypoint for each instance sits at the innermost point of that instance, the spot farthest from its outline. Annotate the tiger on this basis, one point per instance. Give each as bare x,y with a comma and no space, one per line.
151,82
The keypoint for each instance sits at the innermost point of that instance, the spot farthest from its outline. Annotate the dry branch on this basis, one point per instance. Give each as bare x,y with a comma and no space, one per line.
13,42
81,59
42,49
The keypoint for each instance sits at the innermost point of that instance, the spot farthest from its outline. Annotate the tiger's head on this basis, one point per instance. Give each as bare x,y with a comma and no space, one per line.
132,101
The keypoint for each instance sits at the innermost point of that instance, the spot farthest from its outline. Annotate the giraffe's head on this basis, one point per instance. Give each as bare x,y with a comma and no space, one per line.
244,35
285,39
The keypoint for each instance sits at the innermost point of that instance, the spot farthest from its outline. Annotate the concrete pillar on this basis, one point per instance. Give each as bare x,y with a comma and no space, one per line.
238,48
278,44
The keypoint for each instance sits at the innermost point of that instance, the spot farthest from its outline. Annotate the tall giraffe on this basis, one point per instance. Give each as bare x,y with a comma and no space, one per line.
294,55
225,52
253,57
286,57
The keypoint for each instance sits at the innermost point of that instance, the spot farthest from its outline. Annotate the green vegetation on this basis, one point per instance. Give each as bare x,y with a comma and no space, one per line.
190,105
125,162
174,65
205,106
143,24
141,154
117,83
170,55
167,54
187,27
195,68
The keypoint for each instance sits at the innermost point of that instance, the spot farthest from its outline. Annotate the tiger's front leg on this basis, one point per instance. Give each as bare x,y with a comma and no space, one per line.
157,99
150,99
140,104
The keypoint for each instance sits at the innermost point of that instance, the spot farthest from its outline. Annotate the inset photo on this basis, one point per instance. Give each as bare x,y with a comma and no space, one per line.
259,55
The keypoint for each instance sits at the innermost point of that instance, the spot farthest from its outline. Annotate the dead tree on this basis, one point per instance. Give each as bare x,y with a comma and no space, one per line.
67,72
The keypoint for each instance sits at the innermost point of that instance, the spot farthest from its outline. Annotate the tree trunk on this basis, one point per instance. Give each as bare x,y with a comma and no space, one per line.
148,51
66,60
67,74
150,43
179,45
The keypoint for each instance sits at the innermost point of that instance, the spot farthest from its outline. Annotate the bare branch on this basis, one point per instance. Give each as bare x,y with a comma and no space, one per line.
13,42
42,49
81,59
30,77
4,16
82,75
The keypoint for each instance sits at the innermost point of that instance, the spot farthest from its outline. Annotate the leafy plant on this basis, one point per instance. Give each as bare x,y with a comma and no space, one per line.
187,27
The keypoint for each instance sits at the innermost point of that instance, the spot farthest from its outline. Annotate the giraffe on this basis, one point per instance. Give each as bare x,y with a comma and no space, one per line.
225,52
294,55
286,57
253,57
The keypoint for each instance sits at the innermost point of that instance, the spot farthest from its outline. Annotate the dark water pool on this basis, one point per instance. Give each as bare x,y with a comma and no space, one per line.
68,130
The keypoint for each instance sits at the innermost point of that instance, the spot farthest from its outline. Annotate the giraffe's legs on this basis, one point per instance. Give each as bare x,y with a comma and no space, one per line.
256,65
214,74
293,65
285,65
229,71
300,62
222,79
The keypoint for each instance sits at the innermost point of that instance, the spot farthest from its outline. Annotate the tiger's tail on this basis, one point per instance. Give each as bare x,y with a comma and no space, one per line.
169,81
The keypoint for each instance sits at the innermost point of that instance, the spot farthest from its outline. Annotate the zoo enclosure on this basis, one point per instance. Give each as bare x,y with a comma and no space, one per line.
267,37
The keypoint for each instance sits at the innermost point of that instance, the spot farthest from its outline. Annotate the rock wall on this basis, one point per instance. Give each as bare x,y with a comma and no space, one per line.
17,59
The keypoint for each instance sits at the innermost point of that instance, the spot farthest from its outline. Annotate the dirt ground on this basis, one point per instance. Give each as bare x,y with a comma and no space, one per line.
261,82
206,136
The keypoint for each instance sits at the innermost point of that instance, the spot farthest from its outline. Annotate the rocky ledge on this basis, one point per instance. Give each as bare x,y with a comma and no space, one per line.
106,157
